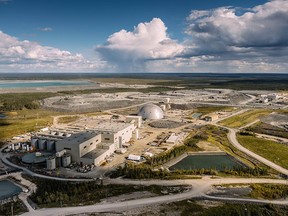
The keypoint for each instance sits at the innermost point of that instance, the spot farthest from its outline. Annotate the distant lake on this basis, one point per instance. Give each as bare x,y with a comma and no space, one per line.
40,84
2,116
8,189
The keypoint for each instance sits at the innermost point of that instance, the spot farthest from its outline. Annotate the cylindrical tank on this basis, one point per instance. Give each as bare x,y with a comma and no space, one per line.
51,163
66,160
42,144
34,143
50,145
13,146
167,100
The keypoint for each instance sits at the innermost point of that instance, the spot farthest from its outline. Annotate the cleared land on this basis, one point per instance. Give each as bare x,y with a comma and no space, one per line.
270,150
245,118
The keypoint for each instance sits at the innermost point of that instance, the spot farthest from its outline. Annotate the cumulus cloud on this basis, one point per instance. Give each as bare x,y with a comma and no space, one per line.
17,55
129,50
45,29
257,35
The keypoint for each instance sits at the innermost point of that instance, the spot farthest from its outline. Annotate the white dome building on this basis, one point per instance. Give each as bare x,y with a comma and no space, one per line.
151,111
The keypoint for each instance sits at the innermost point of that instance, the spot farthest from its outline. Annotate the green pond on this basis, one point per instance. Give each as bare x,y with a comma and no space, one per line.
218,162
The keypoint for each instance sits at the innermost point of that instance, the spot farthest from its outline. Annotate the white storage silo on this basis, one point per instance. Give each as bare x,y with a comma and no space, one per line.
66,160
51,163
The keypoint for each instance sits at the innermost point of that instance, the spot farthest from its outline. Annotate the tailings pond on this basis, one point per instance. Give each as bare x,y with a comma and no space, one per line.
206,161
8,189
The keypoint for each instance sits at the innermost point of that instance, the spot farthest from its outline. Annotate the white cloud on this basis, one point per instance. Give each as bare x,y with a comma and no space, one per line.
257,36
224,39
129,50
30,56
45,29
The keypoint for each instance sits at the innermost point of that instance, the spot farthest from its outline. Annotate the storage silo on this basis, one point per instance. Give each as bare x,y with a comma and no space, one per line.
34,143
51,145
66,160
51,163
42,144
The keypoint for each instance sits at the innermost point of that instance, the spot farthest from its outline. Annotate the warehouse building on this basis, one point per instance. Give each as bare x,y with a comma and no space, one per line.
95,145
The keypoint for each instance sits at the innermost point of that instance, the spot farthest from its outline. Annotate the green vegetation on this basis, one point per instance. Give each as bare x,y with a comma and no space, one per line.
24,121
268,129
52,193
218,137
268,149
264,191
269,191
18,208
210,109
199,208
19,101
244,118
67,119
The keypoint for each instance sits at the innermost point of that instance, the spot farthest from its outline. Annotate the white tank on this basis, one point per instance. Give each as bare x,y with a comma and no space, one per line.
13,146
66,160
167,100
42,144
51,163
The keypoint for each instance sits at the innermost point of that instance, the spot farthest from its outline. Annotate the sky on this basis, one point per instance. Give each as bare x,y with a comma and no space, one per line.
143,36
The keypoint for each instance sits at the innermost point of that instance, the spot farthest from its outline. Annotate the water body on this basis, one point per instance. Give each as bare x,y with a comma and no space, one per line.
218,162
2,116
8,189
40,84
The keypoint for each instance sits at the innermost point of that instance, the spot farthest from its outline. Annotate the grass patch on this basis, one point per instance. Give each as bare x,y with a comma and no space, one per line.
268,149
67,119
244,118
210,109
269,191
24,121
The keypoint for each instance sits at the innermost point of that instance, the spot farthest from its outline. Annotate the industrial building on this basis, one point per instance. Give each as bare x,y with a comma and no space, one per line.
211,117
151,111
90,146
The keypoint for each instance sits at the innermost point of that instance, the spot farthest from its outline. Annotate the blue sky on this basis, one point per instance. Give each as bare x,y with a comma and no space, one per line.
64,32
